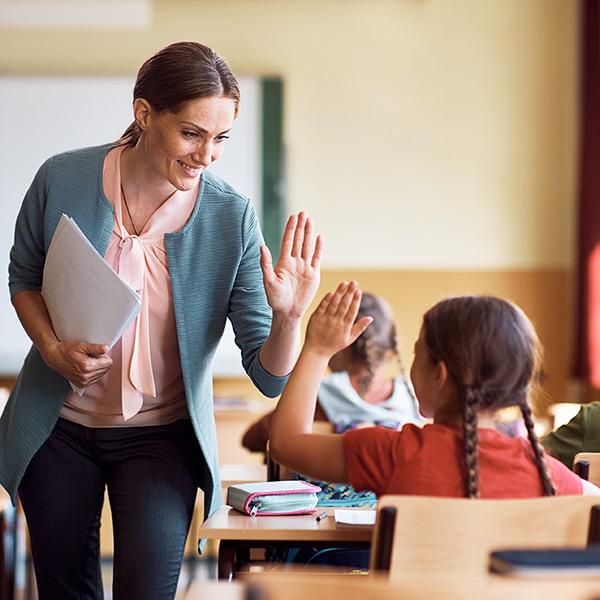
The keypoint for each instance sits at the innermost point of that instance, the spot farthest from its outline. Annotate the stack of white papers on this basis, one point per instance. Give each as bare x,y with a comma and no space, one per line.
86,300
354,518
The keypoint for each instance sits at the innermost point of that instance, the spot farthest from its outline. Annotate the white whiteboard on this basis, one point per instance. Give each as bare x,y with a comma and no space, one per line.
42,116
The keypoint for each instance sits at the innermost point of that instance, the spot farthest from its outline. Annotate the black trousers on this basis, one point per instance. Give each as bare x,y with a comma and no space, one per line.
152,475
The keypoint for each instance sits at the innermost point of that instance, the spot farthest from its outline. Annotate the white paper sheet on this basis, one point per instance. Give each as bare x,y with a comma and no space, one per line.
365,518
86,300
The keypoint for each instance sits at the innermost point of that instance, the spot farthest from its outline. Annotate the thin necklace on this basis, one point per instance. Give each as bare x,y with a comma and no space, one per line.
129,212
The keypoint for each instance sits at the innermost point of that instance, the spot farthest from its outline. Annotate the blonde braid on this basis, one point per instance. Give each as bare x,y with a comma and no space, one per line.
372,361
538,452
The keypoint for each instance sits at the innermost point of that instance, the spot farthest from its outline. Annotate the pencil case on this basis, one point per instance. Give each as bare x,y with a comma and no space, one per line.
274,497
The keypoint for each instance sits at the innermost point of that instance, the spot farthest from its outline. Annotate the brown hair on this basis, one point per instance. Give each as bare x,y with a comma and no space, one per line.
378,340
493,355
181,72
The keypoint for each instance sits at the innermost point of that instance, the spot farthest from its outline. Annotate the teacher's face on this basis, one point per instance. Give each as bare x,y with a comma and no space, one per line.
180,146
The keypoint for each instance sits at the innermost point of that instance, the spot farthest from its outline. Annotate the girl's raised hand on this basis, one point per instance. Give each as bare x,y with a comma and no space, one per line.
332,326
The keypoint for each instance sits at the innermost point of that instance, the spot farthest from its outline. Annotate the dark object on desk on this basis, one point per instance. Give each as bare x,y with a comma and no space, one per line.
582,468
385,539
551,561
322,516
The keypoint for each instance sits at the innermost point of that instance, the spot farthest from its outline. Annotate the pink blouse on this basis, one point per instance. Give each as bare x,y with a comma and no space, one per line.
144,386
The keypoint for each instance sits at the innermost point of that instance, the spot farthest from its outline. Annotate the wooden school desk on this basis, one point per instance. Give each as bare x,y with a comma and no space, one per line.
283,585
239,533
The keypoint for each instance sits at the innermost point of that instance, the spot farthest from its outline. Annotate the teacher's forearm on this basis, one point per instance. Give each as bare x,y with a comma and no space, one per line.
279,352
31,310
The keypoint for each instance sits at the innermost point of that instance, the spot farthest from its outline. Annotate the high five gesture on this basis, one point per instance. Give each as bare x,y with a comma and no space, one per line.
290,287
292,283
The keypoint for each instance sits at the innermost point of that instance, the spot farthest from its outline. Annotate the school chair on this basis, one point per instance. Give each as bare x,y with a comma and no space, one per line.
449,538
273,467
12,549
587,466
277,472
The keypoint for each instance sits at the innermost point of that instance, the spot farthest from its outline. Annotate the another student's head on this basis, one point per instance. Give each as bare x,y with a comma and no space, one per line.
375,345
477,354
184,102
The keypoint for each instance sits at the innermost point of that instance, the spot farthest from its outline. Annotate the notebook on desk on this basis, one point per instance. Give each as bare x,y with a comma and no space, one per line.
547,562
354,518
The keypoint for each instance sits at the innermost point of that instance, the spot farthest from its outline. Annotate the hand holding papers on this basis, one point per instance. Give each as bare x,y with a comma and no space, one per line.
86,300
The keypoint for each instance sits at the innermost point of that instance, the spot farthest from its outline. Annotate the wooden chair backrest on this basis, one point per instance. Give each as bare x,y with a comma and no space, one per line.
277,472
438,537
593,458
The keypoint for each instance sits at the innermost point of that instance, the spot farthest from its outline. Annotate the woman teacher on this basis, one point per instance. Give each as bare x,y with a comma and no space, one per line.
144,428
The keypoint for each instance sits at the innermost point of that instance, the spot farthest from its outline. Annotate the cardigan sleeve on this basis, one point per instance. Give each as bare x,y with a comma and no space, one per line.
28,253
249,312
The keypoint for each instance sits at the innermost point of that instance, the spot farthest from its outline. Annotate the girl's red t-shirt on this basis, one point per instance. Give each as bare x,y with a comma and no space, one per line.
428,461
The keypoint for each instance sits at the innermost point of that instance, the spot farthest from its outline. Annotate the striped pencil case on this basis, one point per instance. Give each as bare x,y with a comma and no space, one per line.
273,498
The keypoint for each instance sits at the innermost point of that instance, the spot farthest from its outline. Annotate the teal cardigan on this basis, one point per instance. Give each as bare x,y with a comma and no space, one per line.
215,274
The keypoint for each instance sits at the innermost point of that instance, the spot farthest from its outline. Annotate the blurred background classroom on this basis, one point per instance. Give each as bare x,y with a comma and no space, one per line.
441,146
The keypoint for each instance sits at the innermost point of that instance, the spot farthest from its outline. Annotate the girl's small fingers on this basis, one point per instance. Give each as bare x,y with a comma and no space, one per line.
347,300
337,297
354,306
359,327
322,308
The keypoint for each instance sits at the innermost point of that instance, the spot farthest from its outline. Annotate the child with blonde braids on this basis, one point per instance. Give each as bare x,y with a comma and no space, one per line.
474,355
358,391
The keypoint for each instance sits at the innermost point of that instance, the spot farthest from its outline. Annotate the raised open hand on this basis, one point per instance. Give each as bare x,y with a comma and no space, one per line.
332,326
293,283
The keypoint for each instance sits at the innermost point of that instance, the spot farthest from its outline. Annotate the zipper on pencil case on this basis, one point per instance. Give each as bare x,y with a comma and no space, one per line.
282,504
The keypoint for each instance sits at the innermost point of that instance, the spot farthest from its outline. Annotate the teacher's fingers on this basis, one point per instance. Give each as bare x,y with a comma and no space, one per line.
288,236
318,253
308,244
299,236
266,264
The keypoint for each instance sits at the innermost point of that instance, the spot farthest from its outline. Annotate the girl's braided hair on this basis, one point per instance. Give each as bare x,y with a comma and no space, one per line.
493,355
376,343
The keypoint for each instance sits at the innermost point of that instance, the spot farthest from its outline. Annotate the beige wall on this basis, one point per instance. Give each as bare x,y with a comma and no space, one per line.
439,133
424,136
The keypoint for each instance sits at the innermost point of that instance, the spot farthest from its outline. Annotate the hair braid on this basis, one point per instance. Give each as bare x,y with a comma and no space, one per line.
540,461
395,349
372,360
471,441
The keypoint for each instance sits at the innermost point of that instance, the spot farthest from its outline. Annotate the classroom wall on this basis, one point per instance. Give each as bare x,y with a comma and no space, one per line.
433,141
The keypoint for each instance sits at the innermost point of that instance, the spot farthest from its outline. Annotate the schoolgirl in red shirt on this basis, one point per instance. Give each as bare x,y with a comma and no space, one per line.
474,356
